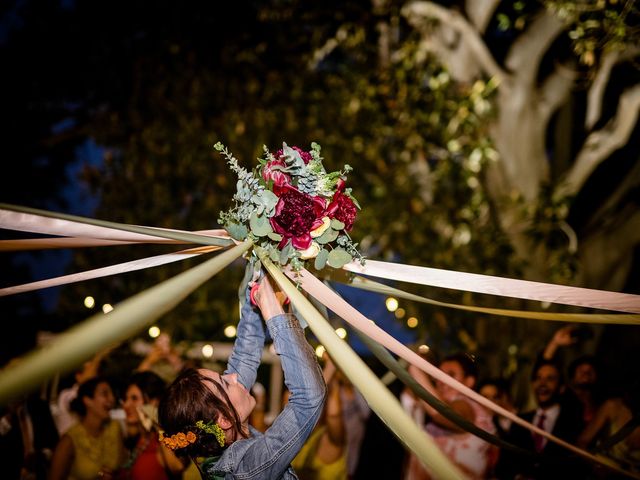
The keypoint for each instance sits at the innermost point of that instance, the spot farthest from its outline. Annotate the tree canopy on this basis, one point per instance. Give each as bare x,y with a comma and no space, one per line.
486,136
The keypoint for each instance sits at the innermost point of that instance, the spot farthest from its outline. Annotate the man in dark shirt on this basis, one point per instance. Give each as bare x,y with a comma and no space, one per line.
552,415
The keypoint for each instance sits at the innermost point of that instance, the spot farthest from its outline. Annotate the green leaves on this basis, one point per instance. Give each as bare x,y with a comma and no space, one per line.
321,259
259,225
338,257
237,231
327,237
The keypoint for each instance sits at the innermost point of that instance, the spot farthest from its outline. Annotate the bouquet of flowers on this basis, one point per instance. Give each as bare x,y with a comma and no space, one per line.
292,208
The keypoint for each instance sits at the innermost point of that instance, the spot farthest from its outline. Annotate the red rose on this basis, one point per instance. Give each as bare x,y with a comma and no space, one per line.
342,208
279,178
306,156
296,215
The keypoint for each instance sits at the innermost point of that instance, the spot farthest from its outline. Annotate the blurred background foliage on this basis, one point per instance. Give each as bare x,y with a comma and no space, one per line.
152,87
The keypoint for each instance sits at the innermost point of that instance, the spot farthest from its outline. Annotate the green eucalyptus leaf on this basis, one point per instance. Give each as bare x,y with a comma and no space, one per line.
237,231
285,253
338,257
269,200
259,224
336,224
276,237
321,259
328,236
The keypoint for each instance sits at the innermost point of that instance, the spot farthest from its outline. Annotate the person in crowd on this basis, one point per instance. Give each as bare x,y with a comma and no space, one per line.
614,415
163,359
205,415
147,458
28,436
469,453
496,390
324,455
355,412
93,447
582,374
551,415
61,410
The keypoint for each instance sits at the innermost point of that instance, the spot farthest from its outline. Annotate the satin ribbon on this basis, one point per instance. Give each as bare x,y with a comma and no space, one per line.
371,286
335,303
75,242
379,398
506,287
71,348
26,219
107,271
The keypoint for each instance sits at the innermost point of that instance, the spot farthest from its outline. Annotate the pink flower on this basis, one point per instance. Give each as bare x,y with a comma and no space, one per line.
342,208
296,215
306,156
278,177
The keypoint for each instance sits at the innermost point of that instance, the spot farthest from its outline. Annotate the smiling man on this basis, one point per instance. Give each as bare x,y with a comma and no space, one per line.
552,415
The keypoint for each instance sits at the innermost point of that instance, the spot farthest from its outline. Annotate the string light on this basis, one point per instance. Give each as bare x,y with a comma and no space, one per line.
207,350
154,332
341,332
230,331
392,304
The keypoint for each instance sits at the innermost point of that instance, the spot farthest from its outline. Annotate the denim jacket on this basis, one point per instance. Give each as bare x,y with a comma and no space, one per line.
268,455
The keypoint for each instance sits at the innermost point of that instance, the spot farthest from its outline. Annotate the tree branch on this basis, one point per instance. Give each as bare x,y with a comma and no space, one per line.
598,87
601,143
526,53
480,12
555,90
416,13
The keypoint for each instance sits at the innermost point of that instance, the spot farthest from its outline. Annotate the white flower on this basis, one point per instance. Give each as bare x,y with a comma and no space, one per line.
326,222
311,252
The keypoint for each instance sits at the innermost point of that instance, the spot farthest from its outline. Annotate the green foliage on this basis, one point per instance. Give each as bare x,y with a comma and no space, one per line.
159,93
593,27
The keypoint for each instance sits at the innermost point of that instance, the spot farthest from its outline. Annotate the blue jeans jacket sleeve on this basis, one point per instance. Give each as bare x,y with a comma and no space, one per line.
268,455
247,349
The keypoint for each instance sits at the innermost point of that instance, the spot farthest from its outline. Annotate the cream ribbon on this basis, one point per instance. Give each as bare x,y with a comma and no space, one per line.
506,287
335,303
111,270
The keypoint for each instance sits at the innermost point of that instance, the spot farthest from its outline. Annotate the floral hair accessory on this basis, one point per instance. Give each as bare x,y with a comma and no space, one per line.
213,429
181,440
178,440
290,206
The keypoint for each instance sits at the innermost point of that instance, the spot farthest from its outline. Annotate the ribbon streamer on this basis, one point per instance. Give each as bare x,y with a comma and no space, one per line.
132,266
343,309
442,408
506,287
371,286
78,343
379,398
26,219
76,242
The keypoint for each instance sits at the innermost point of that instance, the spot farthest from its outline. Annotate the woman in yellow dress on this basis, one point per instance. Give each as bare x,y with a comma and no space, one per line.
93,447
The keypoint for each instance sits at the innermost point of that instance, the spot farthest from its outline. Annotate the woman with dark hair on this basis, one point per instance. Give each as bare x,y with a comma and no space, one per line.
92,448
469,453
147,458
205,415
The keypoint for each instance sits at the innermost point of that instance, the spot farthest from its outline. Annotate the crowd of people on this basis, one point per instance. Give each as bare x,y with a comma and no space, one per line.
185,422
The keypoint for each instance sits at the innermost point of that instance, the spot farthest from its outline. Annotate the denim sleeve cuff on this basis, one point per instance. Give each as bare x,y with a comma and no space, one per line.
282,322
